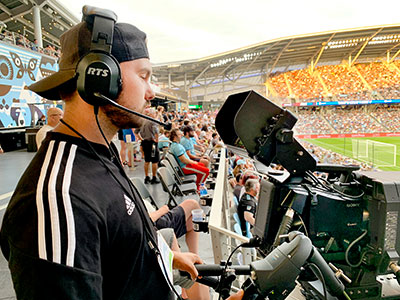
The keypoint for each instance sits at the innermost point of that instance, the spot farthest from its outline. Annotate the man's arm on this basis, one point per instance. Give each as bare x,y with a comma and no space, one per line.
191,156
185,160
155,215
249,217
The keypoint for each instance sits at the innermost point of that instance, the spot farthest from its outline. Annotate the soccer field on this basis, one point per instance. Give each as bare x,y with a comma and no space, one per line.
345,146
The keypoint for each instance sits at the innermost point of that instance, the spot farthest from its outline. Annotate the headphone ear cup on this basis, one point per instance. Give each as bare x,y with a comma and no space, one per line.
98,72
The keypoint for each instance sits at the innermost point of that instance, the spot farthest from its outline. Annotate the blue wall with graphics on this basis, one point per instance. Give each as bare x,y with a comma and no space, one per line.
19,68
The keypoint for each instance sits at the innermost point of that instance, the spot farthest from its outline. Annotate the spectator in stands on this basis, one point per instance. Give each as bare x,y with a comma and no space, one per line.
240,165
215,139
188,166
248,204
19,41
149,133
187,143
41,121
54,115
34,45
180,219
163,140
239,189
128,139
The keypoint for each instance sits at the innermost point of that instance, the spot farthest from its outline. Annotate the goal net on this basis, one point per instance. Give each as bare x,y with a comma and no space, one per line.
377,153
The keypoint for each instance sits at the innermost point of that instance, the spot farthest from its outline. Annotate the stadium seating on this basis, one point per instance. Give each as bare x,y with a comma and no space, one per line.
349,119
363,81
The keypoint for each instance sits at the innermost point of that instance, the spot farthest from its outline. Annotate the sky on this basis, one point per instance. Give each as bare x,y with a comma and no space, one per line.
186,29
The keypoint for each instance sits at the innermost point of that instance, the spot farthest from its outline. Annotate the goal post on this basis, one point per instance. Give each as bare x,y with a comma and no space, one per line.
378,153
382,154
359,149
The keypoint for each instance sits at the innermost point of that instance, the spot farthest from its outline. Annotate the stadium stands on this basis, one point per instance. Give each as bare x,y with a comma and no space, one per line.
349,119
21,41
339,82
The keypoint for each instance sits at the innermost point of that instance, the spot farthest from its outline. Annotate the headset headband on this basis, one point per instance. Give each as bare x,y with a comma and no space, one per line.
102,22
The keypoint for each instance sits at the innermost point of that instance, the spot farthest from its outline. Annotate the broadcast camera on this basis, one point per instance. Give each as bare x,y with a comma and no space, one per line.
351,217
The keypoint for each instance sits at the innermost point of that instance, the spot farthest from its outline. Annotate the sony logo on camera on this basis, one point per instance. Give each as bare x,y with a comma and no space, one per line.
98,72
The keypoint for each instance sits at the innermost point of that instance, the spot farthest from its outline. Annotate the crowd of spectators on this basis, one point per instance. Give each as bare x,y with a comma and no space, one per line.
278,82
383,80
21,41
344,82
364,81
305,86
353,121
348,119
312,122
389,117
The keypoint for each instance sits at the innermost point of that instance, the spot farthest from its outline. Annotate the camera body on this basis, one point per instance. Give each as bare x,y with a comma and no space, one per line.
357,234
351,216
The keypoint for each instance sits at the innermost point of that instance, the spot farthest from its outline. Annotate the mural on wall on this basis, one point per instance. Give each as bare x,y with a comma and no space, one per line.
19,68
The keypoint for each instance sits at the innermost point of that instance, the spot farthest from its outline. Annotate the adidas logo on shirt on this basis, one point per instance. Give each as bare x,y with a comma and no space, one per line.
130,206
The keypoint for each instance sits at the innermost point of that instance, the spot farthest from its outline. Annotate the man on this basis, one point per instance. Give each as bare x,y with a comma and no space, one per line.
187,143
248,204
54,115
75,228
188,165
149,133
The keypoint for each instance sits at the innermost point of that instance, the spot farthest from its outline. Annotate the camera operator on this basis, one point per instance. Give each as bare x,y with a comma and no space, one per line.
75,227
248,204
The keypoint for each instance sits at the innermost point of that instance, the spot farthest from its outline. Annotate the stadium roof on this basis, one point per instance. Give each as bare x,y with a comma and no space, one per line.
55,18
357,44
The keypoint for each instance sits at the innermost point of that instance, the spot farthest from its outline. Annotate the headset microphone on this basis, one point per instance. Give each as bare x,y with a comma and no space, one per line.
167,126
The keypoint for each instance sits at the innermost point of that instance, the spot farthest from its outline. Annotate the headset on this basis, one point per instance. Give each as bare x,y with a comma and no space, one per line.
98,73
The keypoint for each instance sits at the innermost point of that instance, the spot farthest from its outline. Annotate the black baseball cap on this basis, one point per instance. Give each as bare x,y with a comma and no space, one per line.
129,43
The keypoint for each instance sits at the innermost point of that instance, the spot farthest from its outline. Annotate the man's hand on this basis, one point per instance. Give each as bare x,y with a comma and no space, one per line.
237,296
185,262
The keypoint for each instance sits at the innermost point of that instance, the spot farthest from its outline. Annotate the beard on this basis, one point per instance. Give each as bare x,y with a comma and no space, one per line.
122,119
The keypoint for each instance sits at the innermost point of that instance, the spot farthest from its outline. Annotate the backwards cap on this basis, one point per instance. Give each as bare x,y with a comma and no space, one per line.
129,43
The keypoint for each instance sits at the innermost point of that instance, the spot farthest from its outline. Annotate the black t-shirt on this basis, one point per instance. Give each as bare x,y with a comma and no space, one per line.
246,203
72,231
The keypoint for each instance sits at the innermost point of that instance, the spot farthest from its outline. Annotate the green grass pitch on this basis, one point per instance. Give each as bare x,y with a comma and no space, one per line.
344,146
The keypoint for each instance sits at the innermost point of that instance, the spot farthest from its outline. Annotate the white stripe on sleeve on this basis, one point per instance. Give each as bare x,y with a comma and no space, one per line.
39,204
52,196
68,208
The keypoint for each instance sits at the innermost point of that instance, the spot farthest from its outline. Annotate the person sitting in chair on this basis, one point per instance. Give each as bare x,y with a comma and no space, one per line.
188,165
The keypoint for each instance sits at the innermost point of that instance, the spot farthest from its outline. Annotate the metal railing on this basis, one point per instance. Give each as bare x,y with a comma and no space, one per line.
223,239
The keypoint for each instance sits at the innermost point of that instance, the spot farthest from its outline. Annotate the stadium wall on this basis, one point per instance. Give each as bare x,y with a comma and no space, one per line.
350,135
20,67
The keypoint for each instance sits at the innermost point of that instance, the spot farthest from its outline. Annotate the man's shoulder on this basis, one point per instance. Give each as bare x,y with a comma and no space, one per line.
45,128
177,148
184,141
246,199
